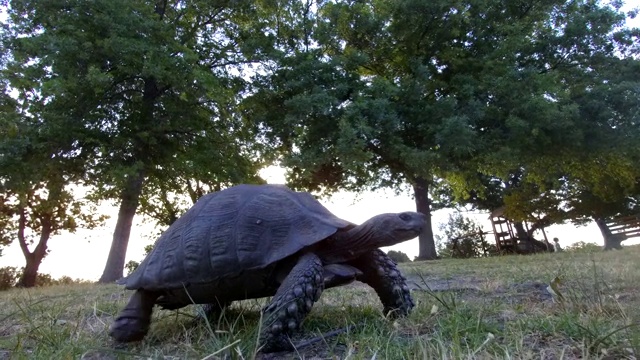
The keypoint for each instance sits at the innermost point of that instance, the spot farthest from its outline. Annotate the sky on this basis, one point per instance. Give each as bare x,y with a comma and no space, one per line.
83,254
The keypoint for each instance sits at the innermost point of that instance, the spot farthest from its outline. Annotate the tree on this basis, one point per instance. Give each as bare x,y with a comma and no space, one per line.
587,179
342,125
398,256
410,92
36,186
140,86
612,191
605,181
562,100
8,129
166,198
516,197
463,238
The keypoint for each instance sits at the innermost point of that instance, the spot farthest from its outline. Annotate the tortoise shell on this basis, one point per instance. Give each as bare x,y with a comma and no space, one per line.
237,229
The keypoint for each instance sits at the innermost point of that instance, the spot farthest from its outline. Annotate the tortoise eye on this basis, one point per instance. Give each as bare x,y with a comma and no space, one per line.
405,217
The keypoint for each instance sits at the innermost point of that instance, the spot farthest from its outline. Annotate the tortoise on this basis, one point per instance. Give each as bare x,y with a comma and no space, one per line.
252,241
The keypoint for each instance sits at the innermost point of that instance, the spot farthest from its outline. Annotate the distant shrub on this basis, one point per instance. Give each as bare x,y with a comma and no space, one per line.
9,276
131,266
582,246
463,238
67,280
44,280
148,249
398,256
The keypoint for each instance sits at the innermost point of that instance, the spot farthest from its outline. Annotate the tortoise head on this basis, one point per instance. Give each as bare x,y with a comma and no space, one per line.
394,228
381,230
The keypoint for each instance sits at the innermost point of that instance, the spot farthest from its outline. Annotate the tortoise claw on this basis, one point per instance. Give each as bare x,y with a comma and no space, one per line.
128,329
381,273
133,322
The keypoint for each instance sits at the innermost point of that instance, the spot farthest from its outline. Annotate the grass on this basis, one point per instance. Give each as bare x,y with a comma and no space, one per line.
478,308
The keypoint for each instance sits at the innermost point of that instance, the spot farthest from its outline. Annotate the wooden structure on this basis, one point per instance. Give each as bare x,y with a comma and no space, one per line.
625,227
507,239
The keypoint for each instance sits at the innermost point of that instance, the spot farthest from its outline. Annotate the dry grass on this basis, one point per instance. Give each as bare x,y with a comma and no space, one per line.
480,308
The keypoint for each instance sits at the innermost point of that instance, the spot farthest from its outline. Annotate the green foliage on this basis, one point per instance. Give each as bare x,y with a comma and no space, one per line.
442,93
140,96
558,165
147,249
11,275
45,280
36,192
586,247
415,95
36,210
156,92
398,256
463,238
131,266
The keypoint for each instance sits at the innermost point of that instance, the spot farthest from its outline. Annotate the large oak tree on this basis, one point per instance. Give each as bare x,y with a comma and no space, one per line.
144,90
388,93
37,196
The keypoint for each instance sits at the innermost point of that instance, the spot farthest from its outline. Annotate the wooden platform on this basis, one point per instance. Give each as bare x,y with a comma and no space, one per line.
625,226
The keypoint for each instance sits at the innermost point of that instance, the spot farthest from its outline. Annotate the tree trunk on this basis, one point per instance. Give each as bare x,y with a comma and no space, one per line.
520,231
611,241
33,259
30,273
530,243
129,200
130,195
427,249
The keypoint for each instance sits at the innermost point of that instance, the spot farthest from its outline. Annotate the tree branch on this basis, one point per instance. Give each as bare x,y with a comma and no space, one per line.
22,223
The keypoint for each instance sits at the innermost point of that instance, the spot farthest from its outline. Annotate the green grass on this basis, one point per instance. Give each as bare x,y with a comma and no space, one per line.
479,308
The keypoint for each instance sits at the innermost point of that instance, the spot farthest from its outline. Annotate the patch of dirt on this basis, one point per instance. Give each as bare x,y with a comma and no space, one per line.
526,291
438,284
475,287
316,351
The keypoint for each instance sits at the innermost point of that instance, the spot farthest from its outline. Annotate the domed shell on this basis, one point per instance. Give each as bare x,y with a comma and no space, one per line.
243,227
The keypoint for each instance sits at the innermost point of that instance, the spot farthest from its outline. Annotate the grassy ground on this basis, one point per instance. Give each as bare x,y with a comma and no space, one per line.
480,308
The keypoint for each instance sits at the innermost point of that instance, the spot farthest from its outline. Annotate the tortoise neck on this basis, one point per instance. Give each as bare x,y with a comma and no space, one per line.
350,244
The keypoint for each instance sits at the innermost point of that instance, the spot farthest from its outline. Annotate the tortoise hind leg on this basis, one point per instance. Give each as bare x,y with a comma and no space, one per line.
381,273
291,303
133,322
213,311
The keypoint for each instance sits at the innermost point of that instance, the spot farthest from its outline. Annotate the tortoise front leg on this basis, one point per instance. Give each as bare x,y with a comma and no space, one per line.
132,324
381,273
291,303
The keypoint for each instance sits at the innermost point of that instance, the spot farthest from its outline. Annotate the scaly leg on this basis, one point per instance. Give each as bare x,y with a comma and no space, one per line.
291,303
381,273
212,311
133,322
